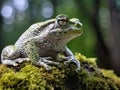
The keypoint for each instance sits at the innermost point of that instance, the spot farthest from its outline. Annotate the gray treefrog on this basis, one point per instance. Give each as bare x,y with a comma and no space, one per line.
43,41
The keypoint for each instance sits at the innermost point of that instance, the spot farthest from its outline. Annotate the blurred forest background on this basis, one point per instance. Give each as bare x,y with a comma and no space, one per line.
100,18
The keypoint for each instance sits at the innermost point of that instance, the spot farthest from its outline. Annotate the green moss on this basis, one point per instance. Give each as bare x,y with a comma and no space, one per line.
95,83
4,69
30,77
26,80
110,74
83,58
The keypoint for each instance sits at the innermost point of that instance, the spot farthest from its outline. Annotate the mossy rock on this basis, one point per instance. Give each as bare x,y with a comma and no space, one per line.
30,77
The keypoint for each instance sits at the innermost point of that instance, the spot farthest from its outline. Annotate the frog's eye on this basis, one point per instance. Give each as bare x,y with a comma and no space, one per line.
62,22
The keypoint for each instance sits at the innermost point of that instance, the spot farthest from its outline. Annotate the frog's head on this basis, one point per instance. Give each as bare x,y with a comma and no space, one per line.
67,28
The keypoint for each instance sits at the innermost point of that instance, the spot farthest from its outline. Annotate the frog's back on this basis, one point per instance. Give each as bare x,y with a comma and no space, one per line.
32,31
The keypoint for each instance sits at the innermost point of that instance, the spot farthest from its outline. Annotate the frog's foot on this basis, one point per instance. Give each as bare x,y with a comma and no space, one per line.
47,60
9,62
71,59
15,62
40,63
21,60
45,63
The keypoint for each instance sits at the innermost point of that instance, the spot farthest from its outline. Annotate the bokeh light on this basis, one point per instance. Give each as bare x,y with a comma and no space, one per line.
21,5
47,10
7,11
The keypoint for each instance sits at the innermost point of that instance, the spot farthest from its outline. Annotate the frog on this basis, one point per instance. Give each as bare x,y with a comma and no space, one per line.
44,41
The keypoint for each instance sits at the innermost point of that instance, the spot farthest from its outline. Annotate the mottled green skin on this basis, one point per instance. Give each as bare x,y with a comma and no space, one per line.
43,41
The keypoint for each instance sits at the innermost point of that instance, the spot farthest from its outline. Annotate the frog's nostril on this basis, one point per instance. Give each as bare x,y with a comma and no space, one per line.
78,24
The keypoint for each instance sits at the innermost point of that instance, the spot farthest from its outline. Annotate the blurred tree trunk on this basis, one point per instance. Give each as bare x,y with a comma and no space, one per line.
1,22
115,34
103,52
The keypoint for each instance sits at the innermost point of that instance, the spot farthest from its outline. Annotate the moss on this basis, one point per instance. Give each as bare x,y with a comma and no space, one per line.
30,77
82,58
4,69
110,74
26,80
95,83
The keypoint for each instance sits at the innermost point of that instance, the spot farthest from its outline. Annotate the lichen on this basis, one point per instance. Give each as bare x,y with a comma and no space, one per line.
31,77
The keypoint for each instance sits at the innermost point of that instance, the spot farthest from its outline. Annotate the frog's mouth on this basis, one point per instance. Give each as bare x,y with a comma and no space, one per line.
65,35
74,30
75,27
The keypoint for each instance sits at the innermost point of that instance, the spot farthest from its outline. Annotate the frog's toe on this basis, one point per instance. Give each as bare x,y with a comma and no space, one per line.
21,60
9,62
77,69
15,64
41,63
49,62
48,68
48,58
67,63
58,64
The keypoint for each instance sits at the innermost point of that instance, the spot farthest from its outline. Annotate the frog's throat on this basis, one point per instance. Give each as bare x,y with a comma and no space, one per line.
75,32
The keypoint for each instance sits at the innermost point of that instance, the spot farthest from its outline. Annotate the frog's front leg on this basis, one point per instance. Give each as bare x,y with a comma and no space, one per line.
44,62
32,51
70,58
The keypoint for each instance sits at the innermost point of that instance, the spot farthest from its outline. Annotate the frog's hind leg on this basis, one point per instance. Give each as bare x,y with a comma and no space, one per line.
9,62
10,56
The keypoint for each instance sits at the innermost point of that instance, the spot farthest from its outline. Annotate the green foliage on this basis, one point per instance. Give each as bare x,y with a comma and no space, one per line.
30,77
